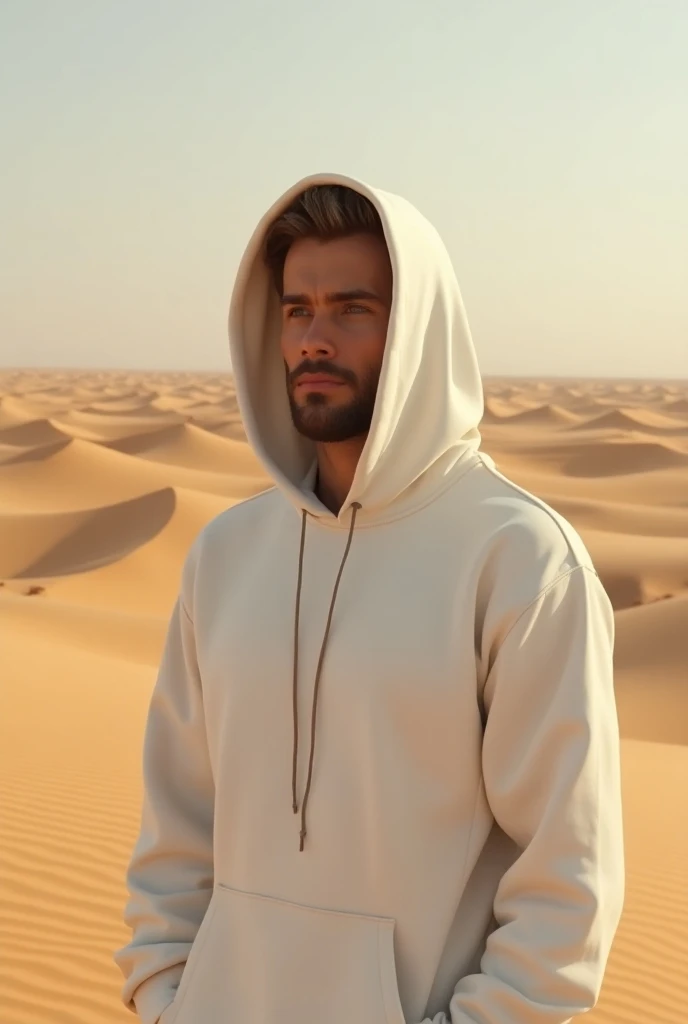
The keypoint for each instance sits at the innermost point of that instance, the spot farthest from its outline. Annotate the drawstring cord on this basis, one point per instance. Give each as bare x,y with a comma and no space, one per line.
355,507
296,662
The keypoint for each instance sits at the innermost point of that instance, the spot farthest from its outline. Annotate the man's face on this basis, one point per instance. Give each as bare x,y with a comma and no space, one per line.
335,310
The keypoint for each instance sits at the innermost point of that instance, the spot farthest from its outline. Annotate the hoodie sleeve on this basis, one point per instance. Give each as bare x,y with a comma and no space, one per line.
170,875
552,778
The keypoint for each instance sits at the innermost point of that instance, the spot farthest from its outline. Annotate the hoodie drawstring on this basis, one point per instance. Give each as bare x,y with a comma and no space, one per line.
355,507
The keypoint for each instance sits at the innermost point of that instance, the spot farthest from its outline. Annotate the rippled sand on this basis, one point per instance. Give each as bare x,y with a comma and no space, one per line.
105,479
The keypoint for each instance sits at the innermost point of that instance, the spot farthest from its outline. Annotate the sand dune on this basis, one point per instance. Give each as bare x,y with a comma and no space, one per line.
105,480
621,517
653,705
92,424
677,407
82,474
193,448
668,486
646,983
646,421
60,543
108,632
132,403
233,429
34,434
137,413
174,401
117,584
23,441
547,415
20,408
658,567
614,457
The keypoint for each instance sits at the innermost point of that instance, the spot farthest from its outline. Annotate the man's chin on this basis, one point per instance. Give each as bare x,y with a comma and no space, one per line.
331,422
315,428
329,431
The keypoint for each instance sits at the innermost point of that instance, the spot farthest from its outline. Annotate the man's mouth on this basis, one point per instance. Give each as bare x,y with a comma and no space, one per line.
317,382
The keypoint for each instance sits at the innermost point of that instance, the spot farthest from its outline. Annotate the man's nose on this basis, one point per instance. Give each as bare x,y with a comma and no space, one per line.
316,340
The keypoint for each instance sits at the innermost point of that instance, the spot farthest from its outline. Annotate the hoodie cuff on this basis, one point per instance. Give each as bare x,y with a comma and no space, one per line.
153,996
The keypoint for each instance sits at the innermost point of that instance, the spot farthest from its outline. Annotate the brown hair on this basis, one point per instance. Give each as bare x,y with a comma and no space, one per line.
322,211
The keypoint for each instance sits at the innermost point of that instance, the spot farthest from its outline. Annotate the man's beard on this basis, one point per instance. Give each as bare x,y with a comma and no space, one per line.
319,421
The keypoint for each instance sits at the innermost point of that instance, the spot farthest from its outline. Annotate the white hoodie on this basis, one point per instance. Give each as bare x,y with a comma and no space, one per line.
461,859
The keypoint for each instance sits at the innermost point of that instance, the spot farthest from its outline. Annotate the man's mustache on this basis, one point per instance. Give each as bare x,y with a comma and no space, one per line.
328,369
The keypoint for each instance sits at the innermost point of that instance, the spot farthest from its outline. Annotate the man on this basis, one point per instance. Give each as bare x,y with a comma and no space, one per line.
381,760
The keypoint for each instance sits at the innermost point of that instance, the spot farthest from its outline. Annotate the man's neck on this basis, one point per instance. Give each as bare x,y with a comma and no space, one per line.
336,468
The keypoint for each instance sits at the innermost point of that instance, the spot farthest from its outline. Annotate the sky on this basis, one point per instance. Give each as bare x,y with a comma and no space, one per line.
545,139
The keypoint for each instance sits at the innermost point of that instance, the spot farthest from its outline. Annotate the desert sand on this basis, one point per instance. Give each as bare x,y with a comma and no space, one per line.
105,479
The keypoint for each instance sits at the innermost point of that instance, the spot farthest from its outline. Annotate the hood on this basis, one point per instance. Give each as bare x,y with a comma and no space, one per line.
430,399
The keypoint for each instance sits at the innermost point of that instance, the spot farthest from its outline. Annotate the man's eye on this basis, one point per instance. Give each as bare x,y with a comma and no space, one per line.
356,308
297,311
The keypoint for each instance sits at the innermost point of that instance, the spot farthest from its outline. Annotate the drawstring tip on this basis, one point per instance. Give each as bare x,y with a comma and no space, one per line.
302,834
294,807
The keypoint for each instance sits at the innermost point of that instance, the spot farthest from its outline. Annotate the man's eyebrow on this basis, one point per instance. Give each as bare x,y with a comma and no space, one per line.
352,295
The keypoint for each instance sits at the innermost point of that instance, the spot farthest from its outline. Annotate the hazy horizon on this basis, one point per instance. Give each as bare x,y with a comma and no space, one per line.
543,141
189,371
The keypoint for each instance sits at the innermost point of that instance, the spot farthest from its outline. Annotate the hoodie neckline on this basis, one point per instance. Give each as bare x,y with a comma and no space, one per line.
413,500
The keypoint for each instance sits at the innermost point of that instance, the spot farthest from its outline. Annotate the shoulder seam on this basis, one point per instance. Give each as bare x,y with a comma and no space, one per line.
565,574
539,503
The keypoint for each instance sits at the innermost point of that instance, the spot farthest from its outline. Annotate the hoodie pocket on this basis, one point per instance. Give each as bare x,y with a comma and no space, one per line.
259,959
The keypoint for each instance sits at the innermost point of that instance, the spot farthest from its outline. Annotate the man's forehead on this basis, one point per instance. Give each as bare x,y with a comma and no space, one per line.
312,265
359,294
